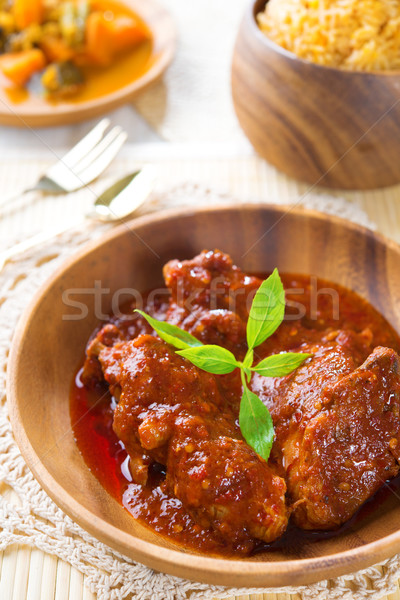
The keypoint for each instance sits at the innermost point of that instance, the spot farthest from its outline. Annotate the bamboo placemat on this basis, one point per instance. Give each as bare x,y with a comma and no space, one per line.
28,574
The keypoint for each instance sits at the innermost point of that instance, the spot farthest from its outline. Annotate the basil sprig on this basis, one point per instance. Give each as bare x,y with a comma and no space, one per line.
265,316
255,422
267,310
177,337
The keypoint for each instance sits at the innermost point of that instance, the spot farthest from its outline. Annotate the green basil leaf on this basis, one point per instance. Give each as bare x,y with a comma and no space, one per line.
248,359
213,359
256,423
171,334
279,365
267,310
247,373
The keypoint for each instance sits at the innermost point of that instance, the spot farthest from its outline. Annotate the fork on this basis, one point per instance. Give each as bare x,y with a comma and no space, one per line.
81,165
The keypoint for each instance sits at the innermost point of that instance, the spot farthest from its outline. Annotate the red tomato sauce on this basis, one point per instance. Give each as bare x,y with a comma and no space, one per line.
91,414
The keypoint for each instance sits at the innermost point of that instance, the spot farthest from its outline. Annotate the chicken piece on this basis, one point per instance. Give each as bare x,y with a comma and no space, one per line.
107,336
223,483
335,435
351,449
295,399
158,390
177,415
211,298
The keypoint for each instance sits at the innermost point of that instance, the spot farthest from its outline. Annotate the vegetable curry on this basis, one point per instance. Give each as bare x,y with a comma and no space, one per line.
163,435
73,50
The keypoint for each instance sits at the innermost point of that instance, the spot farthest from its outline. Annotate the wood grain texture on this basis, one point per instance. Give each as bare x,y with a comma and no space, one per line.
318,124
48,348
36,112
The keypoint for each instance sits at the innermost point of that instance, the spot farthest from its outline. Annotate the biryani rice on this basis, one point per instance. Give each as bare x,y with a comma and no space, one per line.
349,34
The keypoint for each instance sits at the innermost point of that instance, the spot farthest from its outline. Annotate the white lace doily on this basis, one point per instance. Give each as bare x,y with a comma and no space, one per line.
29,516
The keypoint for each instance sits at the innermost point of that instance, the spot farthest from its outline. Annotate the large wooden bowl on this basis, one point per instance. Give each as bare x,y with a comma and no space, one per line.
37,112
49,343
318,124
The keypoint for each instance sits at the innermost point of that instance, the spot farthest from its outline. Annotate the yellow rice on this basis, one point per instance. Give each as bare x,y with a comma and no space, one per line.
350,34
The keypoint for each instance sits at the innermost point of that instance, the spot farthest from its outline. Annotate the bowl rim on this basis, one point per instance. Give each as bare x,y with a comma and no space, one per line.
250,19
205,569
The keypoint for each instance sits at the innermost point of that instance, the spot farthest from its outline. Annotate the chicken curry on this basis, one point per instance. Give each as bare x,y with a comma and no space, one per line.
163,436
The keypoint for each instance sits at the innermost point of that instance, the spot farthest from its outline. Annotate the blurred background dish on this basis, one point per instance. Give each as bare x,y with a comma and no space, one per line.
125,46
320,124
351,34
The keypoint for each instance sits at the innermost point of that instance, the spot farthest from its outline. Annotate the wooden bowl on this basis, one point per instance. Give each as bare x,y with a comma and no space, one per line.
50,339
318,124
37,112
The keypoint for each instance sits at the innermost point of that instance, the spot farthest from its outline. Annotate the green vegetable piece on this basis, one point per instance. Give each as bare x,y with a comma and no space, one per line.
267,310
256,423
279,365
211,358
73,22
82,13
67,22
63,78
171,334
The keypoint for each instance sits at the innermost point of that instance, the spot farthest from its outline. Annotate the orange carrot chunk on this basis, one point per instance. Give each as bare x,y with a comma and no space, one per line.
55,49
27,12
19,67
106,37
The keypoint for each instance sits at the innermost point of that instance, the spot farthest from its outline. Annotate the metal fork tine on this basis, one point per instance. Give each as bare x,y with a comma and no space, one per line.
97,150
102,162
81,149
70,178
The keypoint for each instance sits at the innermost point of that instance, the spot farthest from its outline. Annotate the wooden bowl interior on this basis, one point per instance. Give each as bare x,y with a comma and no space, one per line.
50,342
36,112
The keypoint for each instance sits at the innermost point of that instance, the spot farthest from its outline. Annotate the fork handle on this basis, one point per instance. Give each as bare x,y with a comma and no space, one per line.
31,242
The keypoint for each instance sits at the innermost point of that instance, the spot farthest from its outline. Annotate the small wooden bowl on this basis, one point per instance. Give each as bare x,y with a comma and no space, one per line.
318,124
49,344
37,112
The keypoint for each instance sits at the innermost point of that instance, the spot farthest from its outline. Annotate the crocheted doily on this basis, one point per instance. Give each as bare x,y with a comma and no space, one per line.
29,516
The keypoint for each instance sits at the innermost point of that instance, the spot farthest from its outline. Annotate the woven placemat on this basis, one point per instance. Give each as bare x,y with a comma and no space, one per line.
36,521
